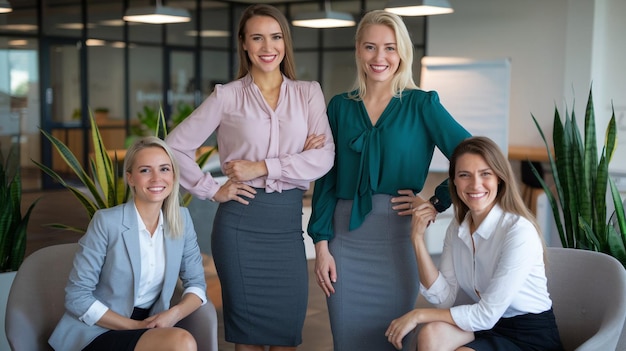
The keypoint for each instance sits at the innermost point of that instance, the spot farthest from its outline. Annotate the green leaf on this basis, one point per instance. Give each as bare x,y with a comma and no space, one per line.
619,210
102,177
592,239
76,167
563,234
615,245
12,223
65,227
581,180
19,242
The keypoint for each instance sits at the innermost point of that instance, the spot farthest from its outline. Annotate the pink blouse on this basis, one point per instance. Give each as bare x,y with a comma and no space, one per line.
248,129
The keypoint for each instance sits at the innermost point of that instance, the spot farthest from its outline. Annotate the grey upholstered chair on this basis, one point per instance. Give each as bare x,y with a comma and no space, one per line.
588,291
36,302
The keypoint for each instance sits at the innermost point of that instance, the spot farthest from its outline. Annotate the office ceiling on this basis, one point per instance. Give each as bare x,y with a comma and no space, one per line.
188,4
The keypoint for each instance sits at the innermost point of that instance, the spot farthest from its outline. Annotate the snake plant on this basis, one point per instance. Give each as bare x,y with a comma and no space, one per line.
12,223
581,181
104,182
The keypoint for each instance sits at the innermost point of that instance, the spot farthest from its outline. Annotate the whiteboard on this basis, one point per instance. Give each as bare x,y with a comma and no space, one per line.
475,92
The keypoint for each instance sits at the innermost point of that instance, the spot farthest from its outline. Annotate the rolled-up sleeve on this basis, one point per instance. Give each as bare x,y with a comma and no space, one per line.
94,313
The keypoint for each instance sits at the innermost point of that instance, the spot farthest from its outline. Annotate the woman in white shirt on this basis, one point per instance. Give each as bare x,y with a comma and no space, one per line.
129,262
493,250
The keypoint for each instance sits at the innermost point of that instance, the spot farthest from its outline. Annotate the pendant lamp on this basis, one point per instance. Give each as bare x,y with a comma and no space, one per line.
5,6
324,19
157,14
419,7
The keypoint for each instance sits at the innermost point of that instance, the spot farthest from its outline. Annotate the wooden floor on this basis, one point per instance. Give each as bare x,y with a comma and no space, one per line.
60,206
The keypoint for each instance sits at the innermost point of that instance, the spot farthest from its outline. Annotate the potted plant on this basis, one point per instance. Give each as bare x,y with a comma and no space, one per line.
101,114
581,182
104,186
103,181
12,227
12,224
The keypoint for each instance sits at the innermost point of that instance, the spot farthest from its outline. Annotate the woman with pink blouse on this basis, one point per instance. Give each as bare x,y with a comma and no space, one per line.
274,140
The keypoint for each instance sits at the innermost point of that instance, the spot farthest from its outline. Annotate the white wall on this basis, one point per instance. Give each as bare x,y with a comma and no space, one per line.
532,33
557,49
608,70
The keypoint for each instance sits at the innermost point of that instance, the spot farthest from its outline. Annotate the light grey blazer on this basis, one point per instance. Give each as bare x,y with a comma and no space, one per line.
107,268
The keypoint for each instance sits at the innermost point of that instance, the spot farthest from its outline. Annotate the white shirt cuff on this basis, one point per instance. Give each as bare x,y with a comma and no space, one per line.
196,291
437,291
460,317
94,313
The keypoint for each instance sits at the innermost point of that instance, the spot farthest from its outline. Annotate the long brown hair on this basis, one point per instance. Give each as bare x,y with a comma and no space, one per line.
287,66
508,196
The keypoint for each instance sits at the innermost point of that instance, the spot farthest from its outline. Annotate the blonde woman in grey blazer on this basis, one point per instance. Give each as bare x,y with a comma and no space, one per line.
128,263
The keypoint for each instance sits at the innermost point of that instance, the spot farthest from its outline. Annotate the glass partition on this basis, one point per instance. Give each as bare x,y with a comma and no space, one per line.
22,20
19,104
120,70
182,91
307,65
182,34
105,83
339,72
214,70
106,21
146,80
63,18
216,30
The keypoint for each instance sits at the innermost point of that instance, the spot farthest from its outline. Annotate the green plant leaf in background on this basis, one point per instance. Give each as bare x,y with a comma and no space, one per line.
581,182
103,186
183,110
12,224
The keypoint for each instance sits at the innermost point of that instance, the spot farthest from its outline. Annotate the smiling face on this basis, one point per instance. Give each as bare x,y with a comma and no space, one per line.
476,185
151,176
263,41
377,53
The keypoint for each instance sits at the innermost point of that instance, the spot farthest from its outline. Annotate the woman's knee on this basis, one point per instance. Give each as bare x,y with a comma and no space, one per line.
429,335
442,336
184,340
167,339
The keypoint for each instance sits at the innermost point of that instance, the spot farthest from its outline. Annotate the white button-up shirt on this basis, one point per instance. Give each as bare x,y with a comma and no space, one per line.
504,275
152,264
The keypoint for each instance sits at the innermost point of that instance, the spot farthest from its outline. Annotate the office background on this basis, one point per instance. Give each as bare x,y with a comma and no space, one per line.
61,58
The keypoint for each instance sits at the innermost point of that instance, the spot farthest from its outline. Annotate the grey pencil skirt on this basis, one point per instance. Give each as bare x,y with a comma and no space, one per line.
258,251
377,277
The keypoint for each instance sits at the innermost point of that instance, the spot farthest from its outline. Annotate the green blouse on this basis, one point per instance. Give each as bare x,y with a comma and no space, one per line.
391,155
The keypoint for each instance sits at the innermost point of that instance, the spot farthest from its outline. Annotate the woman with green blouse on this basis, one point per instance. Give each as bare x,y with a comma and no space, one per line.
385,131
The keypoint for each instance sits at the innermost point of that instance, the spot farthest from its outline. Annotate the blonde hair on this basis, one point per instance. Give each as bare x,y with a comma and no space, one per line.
508,196
171,206
403,77
287,66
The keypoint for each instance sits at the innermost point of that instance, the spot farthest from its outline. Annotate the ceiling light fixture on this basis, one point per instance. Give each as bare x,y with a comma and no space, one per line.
18,42
95,42
419,7
324,19
209,33
5,6
158,14
19,27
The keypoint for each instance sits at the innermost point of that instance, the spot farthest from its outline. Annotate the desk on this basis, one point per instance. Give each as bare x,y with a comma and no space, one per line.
528,153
